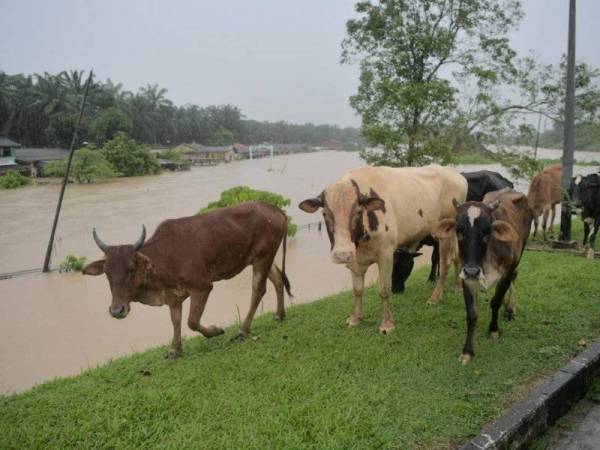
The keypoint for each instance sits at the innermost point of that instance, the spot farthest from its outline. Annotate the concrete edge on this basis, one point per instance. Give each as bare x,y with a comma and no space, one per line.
534,415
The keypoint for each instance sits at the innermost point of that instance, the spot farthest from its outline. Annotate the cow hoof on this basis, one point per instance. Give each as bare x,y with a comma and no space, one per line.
240,337
215,331
352,321
279,317
386,329
398,290
465,358
494,334
590,253
173,354
509,314
432,301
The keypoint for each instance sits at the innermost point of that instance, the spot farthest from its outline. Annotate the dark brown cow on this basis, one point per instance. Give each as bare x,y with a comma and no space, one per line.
491,238
185,256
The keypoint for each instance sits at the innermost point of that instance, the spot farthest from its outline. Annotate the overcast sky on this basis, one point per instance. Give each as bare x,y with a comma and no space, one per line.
275,59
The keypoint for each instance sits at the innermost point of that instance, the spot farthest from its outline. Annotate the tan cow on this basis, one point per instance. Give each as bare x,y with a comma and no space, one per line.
371,211
544,194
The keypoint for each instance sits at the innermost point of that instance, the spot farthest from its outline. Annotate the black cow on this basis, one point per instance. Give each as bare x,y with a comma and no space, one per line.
483,181
480,183
585,194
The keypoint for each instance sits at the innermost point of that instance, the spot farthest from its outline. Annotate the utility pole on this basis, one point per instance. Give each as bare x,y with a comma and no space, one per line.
569,136
46,267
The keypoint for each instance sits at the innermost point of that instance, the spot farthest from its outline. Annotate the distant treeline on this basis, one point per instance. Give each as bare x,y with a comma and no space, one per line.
587,137
41,110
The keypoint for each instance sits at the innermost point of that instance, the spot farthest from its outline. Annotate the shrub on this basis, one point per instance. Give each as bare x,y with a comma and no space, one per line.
129,158
72,264
88,166
241,194
13,180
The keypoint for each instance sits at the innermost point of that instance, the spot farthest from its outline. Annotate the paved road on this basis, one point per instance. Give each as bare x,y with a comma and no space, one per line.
583,432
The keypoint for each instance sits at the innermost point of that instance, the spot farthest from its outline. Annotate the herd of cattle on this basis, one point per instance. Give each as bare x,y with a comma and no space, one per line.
382,215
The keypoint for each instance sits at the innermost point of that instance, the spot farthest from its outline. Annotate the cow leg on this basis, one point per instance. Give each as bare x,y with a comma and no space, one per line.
276,277
545,222
501,289
260,271
535,225
445,252
586,230
592,236
552,215
198,300
510,306
384,264
435,261
403,265
175,350
471,309
358,285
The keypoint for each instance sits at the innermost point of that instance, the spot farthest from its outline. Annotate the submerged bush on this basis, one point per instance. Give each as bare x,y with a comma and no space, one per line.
72,264
13,180
87,166
241,194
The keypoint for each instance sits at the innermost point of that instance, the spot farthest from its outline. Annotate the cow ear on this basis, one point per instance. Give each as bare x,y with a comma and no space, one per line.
373,203
311,205
143,261
503,231
444,229
94,268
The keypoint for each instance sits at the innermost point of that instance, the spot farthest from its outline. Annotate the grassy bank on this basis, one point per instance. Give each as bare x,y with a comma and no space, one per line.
479,159
312,383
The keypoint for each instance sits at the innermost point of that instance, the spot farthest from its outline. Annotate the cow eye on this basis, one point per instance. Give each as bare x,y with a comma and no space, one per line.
486,238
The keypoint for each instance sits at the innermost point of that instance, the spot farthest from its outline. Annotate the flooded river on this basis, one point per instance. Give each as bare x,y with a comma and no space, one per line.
58,324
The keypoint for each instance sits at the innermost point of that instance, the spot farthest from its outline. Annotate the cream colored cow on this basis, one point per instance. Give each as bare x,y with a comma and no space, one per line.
371,211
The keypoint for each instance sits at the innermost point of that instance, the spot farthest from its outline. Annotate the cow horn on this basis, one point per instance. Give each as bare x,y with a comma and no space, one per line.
455,203
141,240
99,242
494,204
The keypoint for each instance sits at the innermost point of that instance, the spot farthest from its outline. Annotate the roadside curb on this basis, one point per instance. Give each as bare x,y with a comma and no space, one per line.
534,415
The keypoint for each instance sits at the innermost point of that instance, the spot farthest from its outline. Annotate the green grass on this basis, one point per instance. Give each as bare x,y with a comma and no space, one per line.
576,232
310,382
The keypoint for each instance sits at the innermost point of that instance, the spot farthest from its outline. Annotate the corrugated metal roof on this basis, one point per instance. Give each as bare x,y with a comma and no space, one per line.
40,154
6,142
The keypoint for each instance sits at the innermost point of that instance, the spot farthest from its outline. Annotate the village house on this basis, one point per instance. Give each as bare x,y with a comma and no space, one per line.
7,156
34,159
203,155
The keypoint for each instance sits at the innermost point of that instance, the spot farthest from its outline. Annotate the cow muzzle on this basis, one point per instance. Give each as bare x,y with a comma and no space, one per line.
471,273
342,257
118,312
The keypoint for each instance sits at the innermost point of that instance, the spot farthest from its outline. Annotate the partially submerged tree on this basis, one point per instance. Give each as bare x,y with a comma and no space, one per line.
88,166
410,53
241,194
129,158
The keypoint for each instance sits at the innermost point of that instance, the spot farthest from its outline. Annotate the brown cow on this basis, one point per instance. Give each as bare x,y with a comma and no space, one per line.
491,238
544,194
371,211
185,256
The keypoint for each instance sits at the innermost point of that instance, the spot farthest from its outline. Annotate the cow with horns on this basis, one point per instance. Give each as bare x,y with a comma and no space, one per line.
185,256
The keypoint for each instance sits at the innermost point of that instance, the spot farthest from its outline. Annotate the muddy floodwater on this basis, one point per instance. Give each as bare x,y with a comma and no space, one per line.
54,325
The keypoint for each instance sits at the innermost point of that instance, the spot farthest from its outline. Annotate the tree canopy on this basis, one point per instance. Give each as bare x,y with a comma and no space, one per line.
415,55
40,110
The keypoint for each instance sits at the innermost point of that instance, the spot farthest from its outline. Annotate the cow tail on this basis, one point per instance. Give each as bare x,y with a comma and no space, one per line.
286,281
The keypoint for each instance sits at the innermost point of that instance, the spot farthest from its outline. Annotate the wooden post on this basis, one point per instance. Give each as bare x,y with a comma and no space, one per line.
46,267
